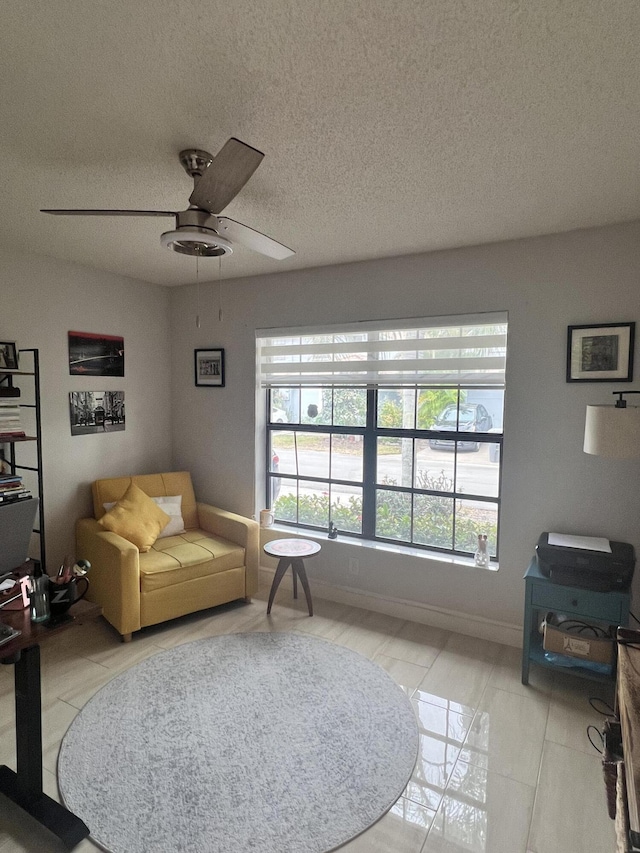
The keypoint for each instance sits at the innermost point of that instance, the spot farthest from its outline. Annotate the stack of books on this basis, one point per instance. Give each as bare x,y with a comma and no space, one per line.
10,426
12,488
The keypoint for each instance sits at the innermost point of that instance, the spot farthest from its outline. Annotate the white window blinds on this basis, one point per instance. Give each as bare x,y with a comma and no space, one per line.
465,350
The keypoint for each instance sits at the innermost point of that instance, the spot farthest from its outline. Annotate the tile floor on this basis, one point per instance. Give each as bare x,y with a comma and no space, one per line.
502,768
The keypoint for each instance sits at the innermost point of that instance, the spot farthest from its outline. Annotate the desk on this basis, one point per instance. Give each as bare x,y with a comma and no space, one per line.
541,595
628,708
24,787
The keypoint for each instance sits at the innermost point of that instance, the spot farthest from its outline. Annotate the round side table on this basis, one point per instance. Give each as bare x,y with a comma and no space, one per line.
290,553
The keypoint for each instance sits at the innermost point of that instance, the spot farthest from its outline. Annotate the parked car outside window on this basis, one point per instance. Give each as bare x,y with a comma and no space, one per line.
279,416
470,417
275,481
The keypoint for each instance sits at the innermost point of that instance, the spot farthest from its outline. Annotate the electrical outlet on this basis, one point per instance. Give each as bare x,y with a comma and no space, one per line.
354,566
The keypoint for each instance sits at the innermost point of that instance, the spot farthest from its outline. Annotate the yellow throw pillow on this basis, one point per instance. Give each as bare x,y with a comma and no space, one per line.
136,518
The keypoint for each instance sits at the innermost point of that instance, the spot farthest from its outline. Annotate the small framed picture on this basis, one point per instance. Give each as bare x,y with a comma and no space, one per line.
209,365
601,353
8,355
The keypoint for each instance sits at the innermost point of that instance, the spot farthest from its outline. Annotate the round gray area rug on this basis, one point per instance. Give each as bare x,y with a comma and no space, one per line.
245,743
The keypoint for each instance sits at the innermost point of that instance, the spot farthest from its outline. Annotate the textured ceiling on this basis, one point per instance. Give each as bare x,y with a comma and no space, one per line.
389,126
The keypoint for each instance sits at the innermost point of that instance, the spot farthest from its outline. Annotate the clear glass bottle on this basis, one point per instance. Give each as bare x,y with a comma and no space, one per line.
39,595
481,556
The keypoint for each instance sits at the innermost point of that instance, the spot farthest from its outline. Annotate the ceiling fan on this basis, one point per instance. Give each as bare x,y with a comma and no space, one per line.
199,230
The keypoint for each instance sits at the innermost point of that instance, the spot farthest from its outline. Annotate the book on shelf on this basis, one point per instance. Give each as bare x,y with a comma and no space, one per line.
10,423
21,495
10,480
10,490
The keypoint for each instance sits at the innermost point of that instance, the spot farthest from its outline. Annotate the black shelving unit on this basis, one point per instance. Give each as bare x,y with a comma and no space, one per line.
11,448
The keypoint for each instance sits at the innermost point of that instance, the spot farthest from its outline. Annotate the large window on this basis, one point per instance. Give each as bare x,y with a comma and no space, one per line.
393,433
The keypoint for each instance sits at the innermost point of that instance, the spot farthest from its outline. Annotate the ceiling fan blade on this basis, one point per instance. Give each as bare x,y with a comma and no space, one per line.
252,239
110,212
224,178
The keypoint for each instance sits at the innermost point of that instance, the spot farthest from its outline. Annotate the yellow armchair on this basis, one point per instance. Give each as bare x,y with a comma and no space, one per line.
215,559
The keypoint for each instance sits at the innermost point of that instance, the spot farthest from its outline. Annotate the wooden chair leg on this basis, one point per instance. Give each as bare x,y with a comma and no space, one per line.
283,565
126,638
299,569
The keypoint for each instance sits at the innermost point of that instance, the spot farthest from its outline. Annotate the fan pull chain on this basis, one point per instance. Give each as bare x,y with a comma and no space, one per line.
197,292
219,289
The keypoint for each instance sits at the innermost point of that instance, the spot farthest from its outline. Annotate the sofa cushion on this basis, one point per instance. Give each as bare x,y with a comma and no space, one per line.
193,554
136,518
154,485
172,506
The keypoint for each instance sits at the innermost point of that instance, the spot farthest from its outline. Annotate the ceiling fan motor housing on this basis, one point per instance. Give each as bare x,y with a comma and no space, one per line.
196,234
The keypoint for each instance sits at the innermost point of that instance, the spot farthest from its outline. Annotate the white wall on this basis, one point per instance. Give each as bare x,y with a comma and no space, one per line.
42,300
545,284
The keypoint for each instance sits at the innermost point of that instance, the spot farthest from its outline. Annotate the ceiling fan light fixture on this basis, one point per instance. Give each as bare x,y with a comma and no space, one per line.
201,242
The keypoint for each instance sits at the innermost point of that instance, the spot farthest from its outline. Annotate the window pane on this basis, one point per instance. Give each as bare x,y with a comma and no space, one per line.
283,458
433,470
477,410
389,410
474,518
477,474
346,457
433,403
393,515
287,399
313,503
350,407
285,503
395,461
313,454
490,401
346,508
315,405
433,521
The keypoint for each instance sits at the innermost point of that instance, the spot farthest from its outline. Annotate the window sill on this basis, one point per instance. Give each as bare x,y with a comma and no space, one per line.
404,550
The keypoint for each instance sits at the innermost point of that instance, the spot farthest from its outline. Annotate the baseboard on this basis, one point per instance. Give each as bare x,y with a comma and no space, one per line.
426,614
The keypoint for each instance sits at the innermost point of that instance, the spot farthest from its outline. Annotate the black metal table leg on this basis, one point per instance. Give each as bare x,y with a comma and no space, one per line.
28,725
25,786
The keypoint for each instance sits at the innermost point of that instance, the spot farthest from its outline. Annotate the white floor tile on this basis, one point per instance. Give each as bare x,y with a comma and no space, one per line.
402,830
507,675
370,634
407,675
507,735
418,644
570,712
570,813
482,812
442,733
460,673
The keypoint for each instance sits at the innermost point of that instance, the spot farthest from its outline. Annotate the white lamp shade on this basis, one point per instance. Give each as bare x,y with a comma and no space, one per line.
613,432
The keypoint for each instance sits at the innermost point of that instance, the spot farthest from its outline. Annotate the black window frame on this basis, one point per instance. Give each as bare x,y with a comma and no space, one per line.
370,433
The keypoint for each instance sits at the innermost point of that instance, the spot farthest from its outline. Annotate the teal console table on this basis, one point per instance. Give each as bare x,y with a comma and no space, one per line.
541,596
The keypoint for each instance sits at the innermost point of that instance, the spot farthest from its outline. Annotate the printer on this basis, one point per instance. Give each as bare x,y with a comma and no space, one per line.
582,567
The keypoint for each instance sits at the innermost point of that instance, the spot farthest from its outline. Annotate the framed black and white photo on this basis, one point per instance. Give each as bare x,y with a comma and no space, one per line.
601,353
209,366
8,355
96,412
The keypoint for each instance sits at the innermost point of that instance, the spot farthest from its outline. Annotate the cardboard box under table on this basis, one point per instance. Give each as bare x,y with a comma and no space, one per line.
577,641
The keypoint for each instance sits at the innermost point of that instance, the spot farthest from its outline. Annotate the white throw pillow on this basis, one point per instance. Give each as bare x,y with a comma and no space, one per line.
172,505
